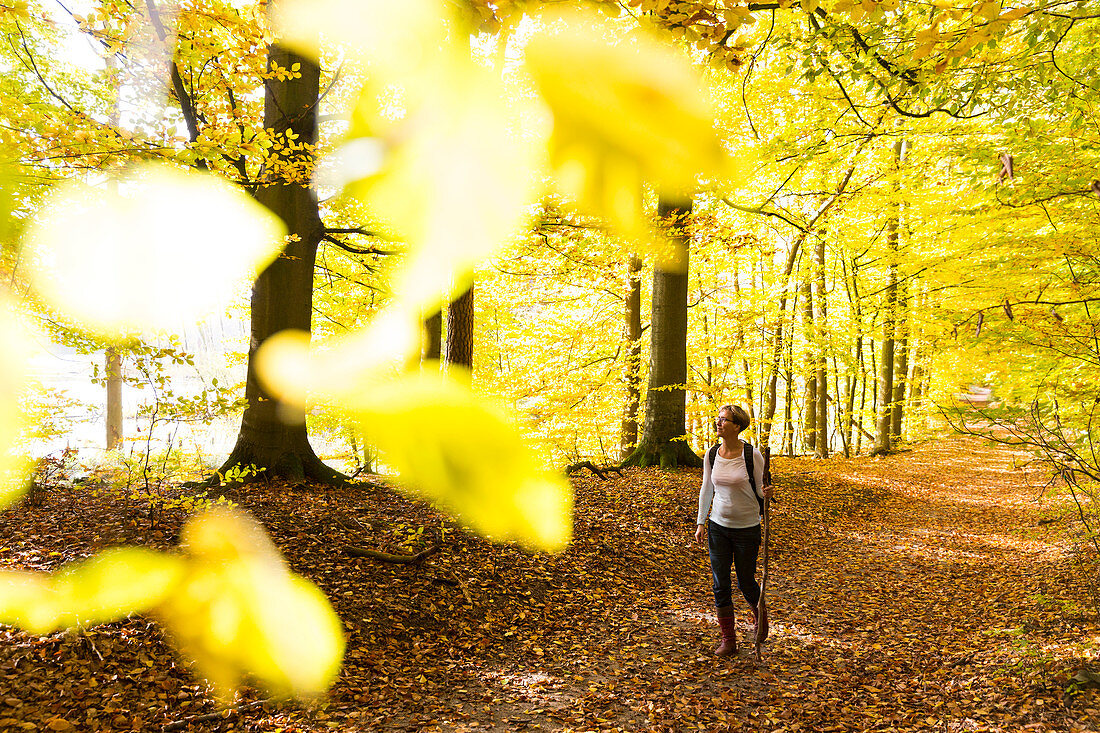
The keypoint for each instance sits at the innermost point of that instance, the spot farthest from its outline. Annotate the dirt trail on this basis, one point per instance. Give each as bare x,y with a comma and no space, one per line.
919,592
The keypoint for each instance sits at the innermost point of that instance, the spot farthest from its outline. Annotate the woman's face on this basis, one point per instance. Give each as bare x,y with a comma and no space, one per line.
727,428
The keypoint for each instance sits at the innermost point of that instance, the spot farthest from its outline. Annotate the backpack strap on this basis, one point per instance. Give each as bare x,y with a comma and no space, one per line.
751,470
712,454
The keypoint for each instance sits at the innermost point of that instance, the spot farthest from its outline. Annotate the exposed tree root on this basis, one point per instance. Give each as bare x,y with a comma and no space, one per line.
669,454
601,472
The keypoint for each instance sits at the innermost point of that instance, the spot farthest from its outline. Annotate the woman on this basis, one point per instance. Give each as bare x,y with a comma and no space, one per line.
729,517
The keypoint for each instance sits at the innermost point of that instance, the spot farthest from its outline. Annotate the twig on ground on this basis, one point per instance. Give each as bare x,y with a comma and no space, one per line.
356,551
229,714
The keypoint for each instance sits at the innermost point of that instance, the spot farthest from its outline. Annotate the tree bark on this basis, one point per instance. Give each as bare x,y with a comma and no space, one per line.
113,373
809,402
460,330
664,438
433,337
634,358
821,377
884,431
901,369
273,440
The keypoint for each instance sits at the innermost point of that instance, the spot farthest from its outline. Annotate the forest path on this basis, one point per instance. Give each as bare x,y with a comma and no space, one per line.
925,591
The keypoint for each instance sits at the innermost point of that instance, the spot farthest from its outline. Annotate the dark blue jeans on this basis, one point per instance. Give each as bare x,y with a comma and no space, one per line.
739,548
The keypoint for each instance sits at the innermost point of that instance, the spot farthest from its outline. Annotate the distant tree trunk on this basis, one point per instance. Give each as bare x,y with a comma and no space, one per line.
460,330
819,350
884,431
113,357
856,372
746,370
809,403
273,434
113,374
433,336
901,370
663,438
788,401
634,358
777,346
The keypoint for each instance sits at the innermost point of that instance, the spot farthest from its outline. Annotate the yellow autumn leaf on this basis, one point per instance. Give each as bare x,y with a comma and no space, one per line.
394,37
239,612
456,178
625,114
447,442
151,250
27,601
106,587
460,449
114,584
989,10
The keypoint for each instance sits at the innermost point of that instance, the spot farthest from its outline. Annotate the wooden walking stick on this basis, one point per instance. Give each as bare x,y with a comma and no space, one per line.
762,605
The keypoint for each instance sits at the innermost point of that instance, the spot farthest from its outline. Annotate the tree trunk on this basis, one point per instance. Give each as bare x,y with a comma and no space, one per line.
663,438
884,432
788,402
746,370
433,336
809,403
634,359
113,374
460,330
821,376
272,442
777,344
901,370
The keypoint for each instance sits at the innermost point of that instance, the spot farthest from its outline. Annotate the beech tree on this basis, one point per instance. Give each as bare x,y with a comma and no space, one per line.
273,438
664,435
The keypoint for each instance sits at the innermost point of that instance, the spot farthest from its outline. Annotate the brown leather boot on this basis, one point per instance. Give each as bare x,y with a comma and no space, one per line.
727,622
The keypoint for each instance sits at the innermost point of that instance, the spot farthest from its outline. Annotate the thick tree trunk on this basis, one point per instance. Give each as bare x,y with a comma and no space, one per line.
460,330
272,442
634,358
664,439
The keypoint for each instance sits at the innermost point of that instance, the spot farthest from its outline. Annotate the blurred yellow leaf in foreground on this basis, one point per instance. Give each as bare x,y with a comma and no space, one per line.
447,442
627,113
229,602
151,250
239,610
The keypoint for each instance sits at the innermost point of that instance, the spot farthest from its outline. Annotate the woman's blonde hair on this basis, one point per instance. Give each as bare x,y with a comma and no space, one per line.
739,415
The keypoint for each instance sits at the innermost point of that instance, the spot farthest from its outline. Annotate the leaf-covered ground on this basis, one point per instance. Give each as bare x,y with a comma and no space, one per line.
932,590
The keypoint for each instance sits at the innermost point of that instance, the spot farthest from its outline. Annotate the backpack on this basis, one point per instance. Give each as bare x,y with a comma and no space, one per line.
712,454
